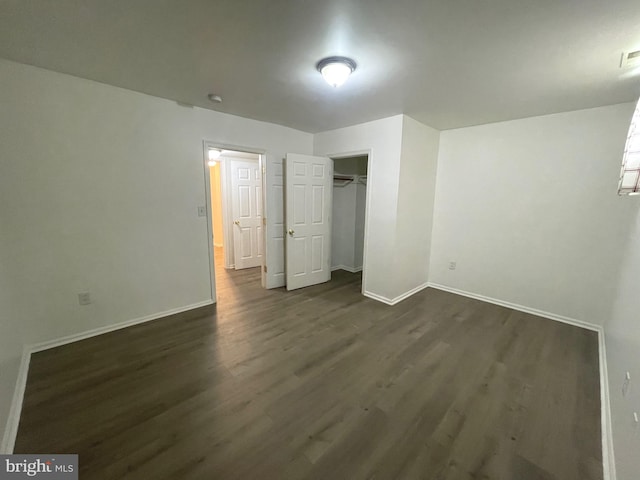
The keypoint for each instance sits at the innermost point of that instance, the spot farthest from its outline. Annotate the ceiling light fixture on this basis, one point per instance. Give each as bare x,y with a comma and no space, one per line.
214,98
336,70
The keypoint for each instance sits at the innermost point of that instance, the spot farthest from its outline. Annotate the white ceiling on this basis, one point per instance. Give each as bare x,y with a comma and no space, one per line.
446,63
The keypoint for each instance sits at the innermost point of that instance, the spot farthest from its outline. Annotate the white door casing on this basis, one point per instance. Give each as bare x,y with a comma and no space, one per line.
246,207
309,185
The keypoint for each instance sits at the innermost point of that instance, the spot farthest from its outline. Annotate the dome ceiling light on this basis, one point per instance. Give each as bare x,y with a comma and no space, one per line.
336,70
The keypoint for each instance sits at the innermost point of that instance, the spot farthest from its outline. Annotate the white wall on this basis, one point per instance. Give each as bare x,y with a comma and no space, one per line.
416,194
10,349
403,156
343,227
623,348
99,189
361,203
382,139
528,210
347,232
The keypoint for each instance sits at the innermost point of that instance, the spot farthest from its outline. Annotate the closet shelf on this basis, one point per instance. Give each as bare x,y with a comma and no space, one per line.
342,180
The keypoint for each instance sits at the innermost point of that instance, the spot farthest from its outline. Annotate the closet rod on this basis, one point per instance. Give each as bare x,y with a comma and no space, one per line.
342,180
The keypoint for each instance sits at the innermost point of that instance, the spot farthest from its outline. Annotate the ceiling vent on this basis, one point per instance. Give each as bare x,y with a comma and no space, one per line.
630,59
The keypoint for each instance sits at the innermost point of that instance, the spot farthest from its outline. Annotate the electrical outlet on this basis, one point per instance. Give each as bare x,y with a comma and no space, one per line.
452,265
202,212
625,384
84,298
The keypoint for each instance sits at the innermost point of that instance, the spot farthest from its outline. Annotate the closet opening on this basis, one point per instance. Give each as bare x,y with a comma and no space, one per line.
349,213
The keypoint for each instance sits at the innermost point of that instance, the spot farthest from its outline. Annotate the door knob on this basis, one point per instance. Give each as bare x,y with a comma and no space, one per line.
291,232
236,222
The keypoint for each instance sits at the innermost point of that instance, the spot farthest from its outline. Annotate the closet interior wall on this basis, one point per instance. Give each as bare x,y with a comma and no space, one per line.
349,202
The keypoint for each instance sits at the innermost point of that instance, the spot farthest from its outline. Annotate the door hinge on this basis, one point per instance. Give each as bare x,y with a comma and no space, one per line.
264,267
264,220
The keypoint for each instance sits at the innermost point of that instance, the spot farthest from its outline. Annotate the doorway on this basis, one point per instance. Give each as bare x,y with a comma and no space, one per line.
323,233
349,213
234,213
346,220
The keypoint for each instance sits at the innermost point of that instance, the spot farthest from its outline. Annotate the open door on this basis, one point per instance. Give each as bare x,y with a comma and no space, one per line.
309,182
274,274
246,207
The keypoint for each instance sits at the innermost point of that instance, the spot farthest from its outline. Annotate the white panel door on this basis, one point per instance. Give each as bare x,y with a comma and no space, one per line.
246,208
309,189
274,274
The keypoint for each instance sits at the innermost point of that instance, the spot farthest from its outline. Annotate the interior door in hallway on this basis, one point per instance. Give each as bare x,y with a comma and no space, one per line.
246,206
309,182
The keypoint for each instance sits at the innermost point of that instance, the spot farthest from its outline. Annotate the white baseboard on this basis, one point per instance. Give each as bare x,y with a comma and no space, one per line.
11,430
608,459
377,297
520,308
413,291
38,347
398,299
348,269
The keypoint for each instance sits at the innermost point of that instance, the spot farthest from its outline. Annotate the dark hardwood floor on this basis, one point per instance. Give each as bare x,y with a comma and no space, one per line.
323,383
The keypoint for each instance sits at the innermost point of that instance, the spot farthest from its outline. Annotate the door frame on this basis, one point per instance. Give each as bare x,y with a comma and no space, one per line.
224,193
367,205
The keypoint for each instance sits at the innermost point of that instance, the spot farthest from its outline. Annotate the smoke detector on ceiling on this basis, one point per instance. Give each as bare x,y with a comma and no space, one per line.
630,59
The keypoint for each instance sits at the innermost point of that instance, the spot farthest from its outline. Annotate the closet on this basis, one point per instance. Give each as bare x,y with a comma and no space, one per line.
349,205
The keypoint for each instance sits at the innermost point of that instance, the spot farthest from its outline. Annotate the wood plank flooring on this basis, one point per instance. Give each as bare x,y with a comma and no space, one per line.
323,383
